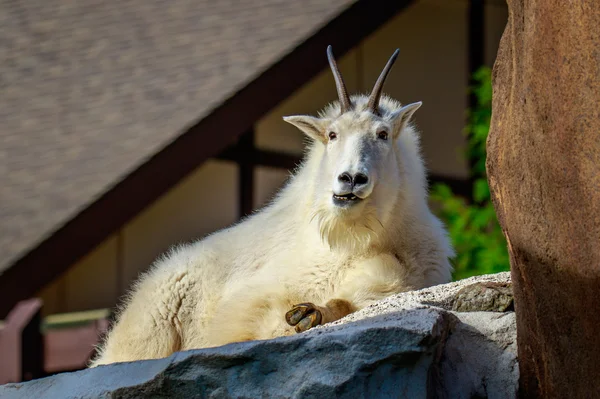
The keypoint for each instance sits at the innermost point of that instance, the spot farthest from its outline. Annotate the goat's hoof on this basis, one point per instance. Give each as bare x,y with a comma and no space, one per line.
304,316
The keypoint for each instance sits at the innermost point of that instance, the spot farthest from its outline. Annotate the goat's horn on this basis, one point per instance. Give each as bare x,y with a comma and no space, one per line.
339,82
373,105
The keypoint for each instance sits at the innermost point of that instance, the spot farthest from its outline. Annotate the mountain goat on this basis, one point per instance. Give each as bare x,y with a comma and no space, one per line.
352,226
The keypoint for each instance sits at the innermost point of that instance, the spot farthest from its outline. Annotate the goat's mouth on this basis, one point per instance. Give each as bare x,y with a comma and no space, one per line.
346,199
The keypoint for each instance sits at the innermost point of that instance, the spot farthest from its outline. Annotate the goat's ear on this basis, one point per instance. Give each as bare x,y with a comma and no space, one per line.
311,126
401,117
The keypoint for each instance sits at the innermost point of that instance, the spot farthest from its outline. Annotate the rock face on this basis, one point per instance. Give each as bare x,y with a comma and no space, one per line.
544,173
409,345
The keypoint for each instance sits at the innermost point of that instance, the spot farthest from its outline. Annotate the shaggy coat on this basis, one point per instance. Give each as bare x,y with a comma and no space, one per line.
238,283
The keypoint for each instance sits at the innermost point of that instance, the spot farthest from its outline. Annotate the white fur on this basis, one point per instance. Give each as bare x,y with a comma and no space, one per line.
237,284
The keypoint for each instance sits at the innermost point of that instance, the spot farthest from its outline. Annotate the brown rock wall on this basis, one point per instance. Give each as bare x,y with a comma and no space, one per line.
544,173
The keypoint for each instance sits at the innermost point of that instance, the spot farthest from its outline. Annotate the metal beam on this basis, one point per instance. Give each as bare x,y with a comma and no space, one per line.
246,175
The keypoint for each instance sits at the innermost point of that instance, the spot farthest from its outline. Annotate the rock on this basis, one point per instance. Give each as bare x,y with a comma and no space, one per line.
479,358
489,296
543,167
399,347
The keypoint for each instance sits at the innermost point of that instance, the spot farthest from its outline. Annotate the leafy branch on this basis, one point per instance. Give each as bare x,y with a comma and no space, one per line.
472,224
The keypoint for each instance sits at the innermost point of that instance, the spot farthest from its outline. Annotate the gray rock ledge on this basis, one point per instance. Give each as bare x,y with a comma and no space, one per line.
409,345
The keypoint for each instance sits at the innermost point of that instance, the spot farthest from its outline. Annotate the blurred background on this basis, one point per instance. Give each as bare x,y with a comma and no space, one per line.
128,127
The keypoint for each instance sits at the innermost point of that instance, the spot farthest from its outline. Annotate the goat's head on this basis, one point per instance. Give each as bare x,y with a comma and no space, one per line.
359,167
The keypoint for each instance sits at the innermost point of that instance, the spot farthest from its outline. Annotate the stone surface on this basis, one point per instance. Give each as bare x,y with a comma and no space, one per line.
409,345
480,357
491,297
544,173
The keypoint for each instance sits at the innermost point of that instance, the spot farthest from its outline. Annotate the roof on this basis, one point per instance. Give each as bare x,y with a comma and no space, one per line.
90,90
98,97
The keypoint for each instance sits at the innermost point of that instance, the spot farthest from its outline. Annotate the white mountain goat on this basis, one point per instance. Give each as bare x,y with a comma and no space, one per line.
352,226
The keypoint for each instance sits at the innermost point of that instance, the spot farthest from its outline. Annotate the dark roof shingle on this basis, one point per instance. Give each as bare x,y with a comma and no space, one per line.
90,90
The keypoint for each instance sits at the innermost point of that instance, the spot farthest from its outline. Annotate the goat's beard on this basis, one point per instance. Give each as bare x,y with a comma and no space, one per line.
349,233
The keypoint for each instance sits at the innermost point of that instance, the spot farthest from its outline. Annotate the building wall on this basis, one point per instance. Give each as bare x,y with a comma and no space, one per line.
188,212
496,15
203,202
432,67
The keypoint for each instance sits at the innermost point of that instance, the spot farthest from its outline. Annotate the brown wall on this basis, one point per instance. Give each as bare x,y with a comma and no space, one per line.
432,68
185,213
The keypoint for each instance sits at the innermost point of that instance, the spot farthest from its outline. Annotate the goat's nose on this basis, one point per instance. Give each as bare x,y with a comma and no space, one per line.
359,179
346,178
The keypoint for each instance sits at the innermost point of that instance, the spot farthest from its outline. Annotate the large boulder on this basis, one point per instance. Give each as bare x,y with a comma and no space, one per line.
409,345
544,174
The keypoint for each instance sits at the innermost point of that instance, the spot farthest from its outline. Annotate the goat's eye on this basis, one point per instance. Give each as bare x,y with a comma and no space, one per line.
332,136
382,135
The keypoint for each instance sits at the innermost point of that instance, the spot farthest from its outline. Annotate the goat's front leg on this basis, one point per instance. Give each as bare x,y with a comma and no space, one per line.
307,315
369,281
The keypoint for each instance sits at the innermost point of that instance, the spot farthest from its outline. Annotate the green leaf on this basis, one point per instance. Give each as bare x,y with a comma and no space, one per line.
472,224
481,191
